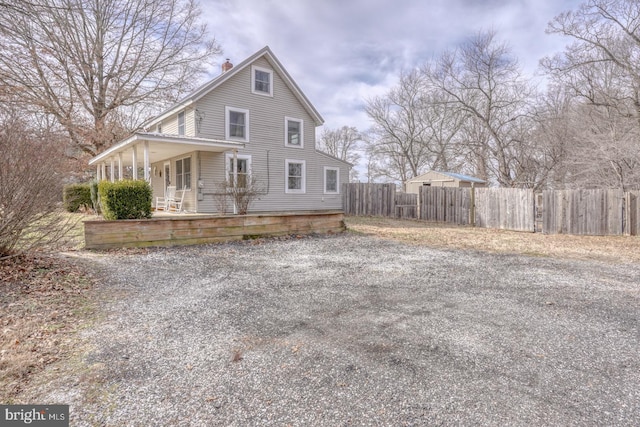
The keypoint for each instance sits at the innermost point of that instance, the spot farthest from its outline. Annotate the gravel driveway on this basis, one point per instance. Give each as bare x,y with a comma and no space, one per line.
355,330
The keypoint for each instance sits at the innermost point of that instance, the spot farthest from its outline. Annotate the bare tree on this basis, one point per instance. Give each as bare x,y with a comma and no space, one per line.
240,193
343,144
595,147
399,131
32,167
600,72
485,82
85,62
445,122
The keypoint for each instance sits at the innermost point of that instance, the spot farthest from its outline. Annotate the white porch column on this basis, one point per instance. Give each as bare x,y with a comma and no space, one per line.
112,172
98,172
135,163
146,161
103,171
120,167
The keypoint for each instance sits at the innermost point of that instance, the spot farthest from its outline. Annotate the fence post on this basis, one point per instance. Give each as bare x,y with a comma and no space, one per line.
472,206
630,216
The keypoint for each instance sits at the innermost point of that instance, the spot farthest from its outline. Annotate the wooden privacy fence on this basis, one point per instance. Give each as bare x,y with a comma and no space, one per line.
446,204
593,212
505,208
588,212
378,200
632,213
406,205
369,199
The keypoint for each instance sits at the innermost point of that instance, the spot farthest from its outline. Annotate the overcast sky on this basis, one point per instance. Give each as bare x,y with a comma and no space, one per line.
340,52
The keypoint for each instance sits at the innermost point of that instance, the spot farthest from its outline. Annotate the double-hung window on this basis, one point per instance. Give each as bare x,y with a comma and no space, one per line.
181,124
331,180
295,171
294,131
261,81
238,170
183,173
237,124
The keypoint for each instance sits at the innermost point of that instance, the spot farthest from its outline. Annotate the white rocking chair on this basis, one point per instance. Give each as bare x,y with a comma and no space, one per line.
175,205
164,203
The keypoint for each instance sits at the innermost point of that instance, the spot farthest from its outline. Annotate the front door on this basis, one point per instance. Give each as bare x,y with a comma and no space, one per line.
167,176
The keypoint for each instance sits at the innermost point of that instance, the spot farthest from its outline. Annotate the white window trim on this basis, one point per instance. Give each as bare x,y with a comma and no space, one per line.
227,122
253,80
286,132
229,156
286,176
327,168
182,159
184,123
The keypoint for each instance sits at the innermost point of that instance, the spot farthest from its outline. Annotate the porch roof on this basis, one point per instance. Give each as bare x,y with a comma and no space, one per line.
163,146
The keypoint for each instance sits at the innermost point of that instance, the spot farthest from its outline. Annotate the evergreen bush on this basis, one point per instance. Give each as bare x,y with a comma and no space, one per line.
75,196
125,199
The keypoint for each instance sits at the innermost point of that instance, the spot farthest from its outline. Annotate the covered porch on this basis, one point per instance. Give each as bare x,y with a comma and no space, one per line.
152,157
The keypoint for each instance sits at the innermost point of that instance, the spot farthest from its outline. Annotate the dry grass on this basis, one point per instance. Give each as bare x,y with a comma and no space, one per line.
623,249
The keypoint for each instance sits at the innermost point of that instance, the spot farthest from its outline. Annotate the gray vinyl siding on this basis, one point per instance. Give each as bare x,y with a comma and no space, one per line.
266,145
170,125
211,171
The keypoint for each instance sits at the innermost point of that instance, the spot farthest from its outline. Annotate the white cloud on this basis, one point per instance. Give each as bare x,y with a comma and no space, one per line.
341,52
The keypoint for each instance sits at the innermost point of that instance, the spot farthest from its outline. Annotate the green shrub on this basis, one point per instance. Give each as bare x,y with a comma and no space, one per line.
125,199
75,196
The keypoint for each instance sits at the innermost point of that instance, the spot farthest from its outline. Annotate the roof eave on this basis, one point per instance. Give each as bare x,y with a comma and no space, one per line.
164,138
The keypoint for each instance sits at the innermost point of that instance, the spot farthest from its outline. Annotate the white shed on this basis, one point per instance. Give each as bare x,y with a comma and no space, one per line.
442,179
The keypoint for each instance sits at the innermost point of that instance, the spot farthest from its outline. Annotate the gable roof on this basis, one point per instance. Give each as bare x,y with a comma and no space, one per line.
453,175
217,81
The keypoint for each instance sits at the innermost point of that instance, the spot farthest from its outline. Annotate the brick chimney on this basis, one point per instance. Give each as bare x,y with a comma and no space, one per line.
226,66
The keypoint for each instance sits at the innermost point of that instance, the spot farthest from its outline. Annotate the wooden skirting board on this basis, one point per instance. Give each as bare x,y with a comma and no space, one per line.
198,229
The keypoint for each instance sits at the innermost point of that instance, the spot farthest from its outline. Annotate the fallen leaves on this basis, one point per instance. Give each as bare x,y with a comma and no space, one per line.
39,299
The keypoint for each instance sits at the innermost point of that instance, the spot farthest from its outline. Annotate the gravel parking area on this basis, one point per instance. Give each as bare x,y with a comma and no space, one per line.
355,330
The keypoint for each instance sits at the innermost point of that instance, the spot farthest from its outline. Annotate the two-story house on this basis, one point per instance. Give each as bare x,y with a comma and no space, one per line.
251,121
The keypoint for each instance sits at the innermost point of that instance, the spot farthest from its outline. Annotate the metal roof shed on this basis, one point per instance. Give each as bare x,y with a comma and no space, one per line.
442,179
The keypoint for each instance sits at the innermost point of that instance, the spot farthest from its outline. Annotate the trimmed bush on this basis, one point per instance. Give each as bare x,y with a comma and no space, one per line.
75,196
125,199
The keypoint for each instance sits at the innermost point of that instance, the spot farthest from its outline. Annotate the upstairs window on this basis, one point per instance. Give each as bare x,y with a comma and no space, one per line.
181,123
293,132
261,81
331,180
183,173
159,128
237,124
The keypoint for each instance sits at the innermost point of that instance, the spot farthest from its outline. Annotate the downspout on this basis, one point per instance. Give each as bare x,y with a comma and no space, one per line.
235,177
